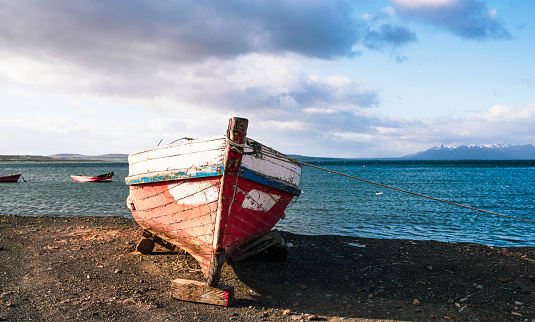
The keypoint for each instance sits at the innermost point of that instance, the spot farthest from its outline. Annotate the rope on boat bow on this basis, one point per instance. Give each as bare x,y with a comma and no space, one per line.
257,149
416,194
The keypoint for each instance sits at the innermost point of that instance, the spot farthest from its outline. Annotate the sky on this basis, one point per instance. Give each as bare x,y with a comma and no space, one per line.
326,78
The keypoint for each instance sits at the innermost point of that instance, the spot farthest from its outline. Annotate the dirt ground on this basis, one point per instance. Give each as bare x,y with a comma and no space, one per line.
86,268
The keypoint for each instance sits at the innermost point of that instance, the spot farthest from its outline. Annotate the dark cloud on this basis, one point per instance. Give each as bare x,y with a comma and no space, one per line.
469,19
322,29
389,35
178,30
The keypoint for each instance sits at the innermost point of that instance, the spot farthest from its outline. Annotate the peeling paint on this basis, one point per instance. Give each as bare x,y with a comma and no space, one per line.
258,200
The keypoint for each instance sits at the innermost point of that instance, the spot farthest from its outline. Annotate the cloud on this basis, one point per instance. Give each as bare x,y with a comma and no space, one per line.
367,133
500,123
521,114
335,92
209,54
336,131
121,34
172,69
389,35
468,19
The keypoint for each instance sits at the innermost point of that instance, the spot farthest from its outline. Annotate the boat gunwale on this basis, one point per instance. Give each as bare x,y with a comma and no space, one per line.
10,174
217,169
180,143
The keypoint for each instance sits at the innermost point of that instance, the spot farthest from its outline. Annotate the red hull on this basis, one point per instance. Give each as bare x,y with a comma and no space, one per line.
100,178
194,227
10,178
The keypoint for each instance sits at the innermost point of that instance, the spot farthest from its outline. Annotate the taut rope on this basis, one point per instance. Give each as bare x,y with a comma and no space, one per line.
416,194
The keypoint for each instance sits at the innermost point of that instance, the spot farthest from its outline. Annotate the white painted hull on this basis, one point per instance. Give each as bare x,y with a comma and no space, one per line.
204,158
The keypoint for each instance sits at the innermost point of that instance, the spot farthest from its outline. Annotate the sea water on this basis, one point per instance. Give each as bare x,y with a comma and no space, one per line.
46,189
330,204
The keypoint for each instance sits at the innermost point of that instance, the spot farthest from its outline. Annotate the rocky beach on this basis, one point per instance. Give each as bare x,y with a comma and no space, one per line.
87,269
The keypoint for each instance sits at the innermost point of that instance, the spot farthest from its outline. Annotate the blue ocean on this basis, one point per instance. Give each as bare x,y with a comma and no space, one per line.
330,203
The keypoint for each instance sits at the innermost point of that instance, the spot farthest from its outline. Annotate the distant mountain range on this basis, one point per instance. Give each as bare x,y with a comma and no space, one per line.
500,151
65,157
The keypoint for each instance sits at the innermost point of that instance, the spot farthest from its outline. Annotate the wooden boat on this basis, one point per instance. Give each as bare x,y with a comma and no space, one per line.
13,177
211,196
106,177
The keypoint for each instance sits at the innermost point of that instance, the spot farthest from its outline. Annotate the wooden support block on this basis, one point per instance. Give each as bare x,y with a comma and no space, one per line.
195,291
145,246
258,245
158,240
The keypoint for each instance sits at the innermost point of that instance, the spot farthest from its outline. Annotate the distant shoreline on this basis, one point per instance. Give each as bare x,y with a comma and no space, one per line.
123,158
39,158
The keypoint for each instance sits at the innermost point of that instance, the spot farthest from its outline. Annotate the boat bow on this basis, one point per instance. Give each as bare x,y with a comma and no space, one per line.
211,196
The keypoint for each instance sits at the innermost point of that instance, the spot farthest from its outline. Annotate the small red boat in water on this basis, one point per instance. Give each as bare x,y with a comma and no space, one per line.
13,177
106,177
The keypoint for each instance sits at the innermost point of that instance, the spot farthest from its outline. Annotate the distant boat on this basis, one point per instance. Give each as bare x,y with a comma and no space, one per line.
378,193
13,177
106,177
211,196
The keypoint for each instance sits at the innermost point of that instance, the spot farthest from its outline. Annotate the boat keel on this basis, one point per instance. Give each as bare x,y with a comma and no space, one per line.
214,272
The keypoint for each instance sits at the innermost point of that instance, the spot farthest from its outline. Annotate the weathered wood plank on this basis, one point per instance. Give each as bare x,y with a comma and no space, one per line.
195,291
163,242
258,245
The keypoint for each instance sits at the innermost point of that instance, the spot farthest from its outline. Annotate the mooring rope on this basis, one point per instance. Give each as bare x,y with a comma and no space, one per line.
416,194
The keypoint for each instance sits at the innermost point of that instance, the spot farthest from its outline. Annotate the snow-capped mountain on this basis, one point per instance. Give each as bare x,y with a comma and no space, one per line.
481,146
501,151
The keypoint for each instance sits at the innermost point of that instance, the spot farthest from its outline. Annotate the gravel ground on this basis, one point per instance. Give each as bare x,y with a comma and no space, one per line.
86,268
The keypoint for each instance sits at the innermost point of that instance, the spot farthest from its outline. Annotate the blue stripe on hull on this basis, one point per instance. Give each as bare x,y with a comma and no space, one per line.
267,181
192,173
